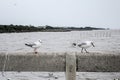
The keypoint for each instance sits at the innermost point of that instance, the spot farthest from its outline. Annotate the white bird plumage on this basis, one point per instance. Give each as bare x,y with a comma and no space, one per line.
84,45
34,45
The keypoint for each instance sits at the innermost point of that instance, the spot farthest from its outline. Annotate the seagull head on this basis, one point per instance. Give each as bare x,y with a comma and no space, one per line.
40,41
74,44
92,44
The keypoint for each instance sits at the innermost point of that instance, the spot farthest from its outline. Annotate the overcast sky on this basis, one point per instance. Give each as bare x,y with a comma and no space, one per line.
78,13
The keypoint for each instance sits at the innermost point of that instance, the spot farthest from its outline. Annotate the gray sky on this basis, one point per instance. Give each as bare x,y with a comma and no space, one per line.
81,13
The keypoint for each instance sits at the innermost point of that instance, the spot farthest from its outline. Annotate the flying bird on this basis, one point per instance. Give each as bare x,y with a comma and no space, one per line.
34,45
84,45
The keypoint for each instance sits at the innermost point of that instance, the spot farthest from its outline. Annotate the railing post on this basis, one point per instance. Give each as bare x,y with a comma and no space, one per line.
70,66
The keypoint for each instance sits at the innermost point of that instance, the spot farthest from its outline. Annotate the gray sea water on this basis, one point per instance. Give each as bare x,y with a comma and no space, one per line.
104,40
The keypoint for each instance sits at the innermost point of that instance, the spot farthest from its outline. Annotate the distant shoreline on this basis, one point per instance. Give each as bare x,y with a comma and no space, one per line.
25,28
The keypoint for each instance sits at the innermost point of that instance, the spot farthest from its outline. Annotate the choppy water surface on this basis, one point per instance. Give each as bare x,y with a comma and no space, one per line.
106,40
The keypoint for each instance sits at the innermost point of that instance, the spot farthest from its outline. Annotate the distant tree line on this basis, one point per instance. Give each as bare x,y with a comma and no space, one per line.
25,28
18,28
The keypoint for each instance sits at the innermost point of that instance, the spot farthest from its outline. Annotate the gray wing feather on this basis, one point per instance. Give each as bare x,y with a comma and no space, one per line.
82,44
30,45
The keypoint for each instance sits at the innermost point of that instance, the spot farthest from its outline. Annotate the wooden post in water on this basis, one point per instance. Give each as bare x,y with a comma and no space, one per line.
70,66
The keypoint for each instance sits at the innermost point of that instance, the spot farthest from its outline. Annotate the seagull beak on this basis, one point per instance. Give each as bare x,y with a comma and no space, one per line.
93,45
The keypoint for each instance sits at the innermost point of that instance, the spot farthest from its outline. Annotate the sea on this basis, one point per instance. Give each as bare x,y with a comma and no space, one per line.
104,40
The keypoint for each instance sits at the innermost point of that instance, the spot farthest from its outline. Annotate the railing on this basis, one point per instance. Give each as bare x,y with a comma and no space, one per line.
54,62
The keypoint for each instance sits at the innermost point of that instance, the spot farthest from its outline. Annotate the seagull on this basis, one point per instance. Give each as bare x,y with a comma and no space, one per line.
34,45
84,45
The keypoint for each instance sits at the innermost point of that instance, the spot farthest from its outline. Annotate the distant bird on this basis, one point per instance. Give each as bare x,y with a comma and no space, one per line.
50,74
84,45
34,45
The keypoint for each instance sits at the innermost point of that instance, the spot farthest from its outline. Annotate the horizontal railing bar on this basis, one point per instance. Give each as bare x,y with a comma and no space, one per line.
91,62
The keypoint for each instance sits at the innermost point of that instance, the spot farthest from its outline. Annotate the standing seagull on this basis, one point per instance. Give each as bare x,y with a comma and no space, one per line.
84,45
34,45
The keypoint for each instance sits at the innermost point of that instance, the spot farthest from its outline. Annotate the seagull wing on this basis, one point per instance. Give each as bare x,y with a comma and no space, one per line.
30,45
82,44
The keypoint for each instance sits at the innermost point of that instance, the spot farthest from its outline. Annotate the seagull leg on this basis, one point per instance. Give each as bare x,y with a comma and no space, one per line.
82,50
35,50
86,51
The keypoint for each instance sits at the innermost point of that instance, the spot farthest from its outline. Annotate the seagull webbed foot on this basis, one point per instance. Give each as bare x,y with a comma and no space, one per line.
36,52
